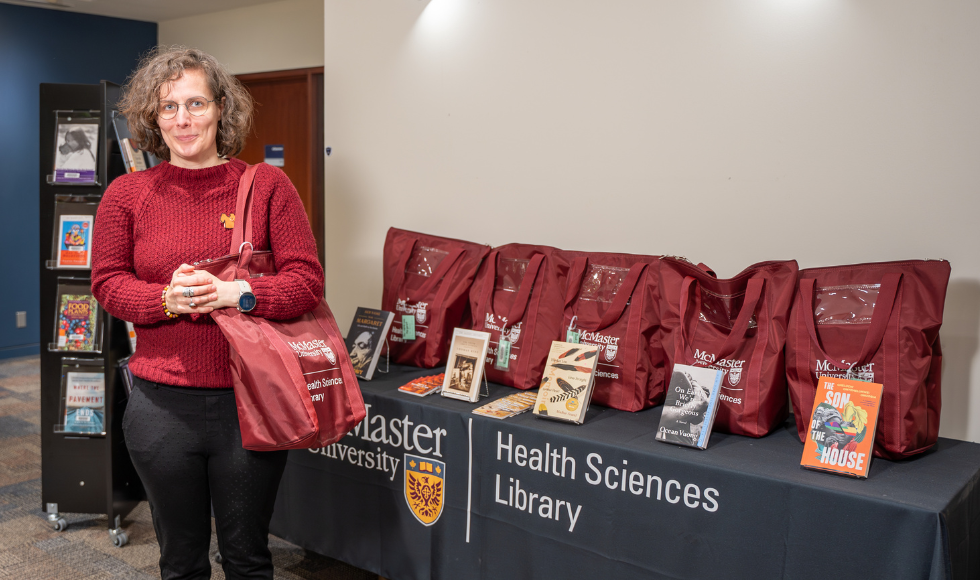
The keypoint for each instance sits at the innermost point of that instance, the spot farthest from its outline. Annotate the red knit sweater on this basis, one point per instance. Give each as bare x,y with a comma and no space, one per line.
135,251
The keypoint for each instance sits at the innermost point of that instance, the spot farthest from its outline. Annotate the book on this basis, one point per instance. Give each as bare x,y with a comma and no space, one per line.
75,241
365,338
76,147
566,387
133,157
842,427
77,322
424,386
690,406
84,402
131,330
464,369
508,406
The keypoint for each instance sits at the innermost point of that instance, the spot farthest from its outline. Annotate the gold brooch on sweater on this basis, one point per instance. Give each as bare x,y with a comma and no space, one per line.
228,221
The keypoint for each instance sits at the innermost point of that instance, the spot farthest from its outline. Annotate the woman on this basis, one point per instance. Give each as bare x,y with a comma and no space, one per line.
181,424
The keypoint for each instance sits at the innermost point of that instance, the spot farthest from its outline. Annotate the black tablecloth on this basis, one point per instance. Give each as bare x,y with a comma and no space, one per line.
612,502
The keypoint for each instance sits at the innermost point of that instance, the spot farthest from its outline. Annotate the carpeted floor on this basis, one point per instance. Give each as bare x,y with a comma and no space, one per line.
31,550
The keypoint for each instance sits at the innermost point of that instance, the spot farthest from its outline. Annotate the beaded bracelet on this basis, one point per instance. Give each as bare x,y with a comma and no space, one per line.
164,300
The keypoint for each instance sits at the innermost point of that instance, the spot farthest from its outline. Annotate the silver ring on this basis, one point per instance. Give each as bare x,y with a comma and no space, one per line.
192,305
188,292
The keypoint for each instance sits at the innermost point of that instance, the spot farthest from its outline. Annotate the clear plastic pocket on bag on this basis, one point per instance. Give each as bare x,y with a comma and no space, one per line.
601,283
424,261
510,274
722,309
852,304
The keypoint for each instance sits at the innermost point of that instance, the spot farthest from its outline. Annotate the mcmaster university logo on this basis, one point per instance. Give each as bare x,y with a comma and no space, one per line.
424,487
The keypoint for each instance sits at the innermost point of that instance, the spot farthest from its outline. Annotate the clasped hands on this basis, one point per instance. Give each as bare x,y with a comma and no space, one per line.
198,292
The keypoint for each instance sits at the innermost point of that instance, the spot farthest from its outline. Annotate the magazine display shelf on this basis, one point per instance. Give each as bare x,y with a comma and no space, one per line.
81,472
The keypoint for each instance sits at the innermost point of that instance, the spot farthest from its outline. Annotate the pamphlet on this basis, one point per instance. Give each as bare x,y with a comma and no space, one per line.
424,386
508,406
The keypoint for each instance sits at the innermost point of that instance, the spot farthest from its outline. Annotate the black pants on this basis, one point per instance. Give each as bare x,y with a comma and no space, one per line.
187,448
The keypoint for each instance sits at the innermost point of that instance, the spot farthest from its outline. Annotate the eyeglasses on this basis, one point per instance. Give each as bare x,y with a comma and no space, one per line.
196,106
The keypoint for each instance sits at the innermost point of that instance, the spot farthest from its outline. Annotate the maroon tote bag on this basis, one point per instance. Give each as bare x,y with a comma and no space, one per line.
517,293
738,325
611,301
875,322
294,384
427,277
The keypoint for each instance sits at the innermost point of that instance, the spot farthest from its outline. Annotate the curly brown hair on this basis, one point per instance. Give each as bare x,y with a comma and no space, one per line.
141,96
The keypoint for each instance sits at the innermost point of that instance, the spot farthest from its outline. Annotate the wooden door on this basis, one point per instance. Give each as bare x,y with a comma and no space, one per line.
289,112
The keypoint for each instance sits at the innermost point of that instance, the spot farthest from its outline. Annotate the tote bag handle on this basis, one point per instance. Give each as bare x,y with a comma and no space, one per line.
879,318
753,293
519,307
576,275
441,271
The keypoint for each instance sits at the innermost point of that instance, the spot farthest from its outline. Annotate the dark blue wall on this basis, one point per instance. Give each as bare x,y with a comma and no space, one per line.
38,45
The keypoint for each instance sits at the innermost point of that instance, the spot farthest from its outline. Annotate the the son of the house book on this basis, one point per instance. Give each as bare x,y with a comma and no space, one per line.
690,406
842,427
464,369
365,338
566,387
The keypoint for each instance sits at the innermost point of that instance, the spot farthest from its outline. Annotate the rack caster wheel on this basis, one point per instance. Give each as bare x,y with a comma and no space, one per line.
119,537
59,524
218,559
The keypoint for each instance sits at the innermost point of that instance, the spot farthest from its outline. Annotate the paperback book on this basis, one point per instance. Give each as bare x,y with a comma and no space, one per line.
76,147
842,427
464,369
365,338
508,406
84,402
77,320
424,386
690,406
566,387
75,241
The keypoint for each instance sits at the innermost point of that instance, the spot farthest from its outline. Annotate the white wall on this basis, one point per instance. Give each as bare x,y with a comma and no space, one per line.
269,37
829,131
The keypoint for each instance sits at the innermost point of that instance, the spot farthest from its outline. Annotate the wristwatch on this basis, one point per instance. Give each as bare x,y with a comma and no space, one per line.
246,300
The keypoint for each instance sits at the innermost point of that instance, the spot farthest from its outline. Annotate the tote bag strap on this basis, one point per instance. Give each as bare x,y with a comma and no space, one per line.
243,210
753,293
519,306
241,236
576,274
879,318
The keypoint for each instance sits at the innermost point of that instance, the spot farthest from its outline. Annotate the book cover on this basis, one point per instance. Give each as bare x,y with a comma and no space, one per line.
508,406
464,369
134,157
842,427
690,406
84,402
76,149
566,387
365,338
75,241
76,322
424,386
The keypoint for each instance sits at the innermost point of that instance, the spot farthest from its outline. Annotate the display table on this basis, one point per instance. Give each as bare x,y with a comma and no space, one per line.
531,498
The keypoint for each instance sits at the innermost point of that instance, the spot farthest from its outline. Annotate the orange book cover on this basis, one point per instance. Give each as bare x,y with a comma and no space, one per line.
842,427
423,386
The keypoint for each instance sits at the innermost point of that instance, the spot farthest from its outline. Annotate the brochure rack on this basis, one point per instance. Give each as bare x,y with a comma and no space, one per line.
81,472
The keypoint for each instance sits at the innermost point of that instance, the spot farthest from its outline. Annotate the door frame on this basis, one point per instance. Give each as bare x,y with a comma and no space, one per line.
314,137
